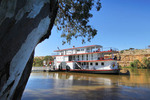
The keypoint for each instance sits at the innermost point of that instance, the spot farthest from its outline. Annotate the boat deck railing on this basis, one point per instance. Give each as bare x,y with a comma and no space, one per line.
53,54
102,49
110,49
94,50
95,58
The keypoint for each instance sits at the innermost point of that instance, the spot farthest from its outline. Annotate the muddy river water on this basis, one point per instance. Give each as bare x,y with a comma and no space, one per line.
81,86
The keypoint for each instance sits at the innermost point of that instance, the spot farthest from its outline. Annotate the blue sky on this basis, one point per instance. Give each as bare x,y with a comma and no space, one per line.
120,23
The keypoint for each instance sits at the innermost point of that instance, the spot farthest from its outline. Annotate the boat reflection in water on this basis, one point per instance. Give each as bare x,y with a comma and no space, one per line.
71,86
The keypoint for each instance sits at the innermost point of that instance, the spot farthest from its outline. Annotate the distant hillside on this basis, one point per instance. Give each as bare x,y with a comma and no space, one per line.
42,60
128,56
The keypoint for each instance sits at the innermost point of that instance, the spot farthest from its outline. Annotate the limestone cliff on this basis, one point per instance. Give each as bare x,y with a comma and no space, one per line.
128,56
23,24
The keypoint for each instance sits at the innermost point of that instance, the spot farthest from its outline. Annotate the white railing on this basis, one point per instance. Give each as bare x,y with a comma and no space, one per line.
102,49
109,48
88,51
52,54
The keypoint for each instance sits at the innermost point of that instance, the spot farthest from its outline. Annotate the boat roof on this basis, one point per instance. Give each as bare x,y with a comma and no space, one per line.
79,47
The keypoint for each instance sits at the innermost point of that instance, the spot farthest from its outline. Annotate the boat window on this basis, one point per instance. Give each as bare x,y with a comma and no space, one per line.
78,57
82,57
86,57
88,49
102,63
96,63
91,63
70,58
91,56
82,49
78,49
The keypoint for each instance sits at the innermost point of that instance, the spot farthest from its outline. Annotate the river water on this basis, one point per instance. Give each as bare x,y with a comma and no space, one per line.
81,86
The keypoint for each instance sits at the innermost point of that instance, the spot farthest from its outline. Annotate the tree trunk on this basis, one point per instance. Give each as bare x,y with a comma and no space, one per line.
23,24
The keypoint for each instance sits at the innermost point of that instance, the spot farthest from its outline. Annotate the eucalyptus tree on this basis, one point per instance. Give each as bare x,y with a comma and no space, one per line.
73,17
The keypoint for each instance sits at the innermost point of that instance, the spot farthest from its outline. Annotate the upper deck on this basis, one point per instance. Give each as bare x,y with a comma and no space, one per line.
85,50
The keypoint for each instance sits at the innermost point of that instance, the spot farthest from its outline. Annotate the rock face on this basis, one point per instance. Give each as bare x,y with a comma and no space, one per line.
129,56
127,59
23,24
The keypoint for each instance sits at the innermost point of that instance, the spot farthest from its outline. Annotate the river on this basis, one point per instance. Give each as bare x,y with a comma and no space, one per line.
81,86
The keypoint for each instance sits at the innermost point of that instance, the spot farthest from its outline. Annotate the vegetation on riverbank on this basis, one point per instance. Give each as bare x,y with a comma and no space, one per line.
144,64
38,61
133,55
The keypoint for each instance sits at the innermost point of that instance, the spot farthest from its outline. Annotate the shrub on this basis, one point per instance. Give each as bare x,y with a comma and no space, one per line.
146,62
121,51
39,61
136,64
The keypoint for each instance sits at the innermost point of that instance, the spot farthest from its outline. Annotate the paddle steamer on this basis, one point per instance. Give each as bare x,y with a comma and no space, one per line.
87,59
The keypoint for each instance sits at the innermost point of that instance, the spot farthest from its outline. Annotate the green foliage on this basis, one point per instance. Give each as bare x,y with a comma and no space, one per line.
73,17
136,64
126,49
131,48
145,63
48,58
39,61
121,51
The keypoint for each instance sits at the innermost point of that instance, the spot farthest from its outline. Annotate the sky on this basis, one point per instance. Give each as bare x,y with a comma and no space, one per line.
121,24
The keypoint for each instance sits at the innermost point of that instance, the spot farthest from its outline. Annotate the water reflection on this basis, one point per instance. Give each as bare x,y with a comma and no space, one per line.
70,86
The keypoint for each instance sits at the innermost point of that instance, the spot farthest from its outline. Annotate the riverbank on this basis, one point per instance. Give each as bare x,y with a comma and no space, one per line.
131,55
43,69
129,67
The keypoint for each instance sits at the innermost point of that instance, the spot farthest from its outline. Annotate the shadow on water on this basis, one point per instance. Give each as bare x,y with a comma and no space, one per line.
72,86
